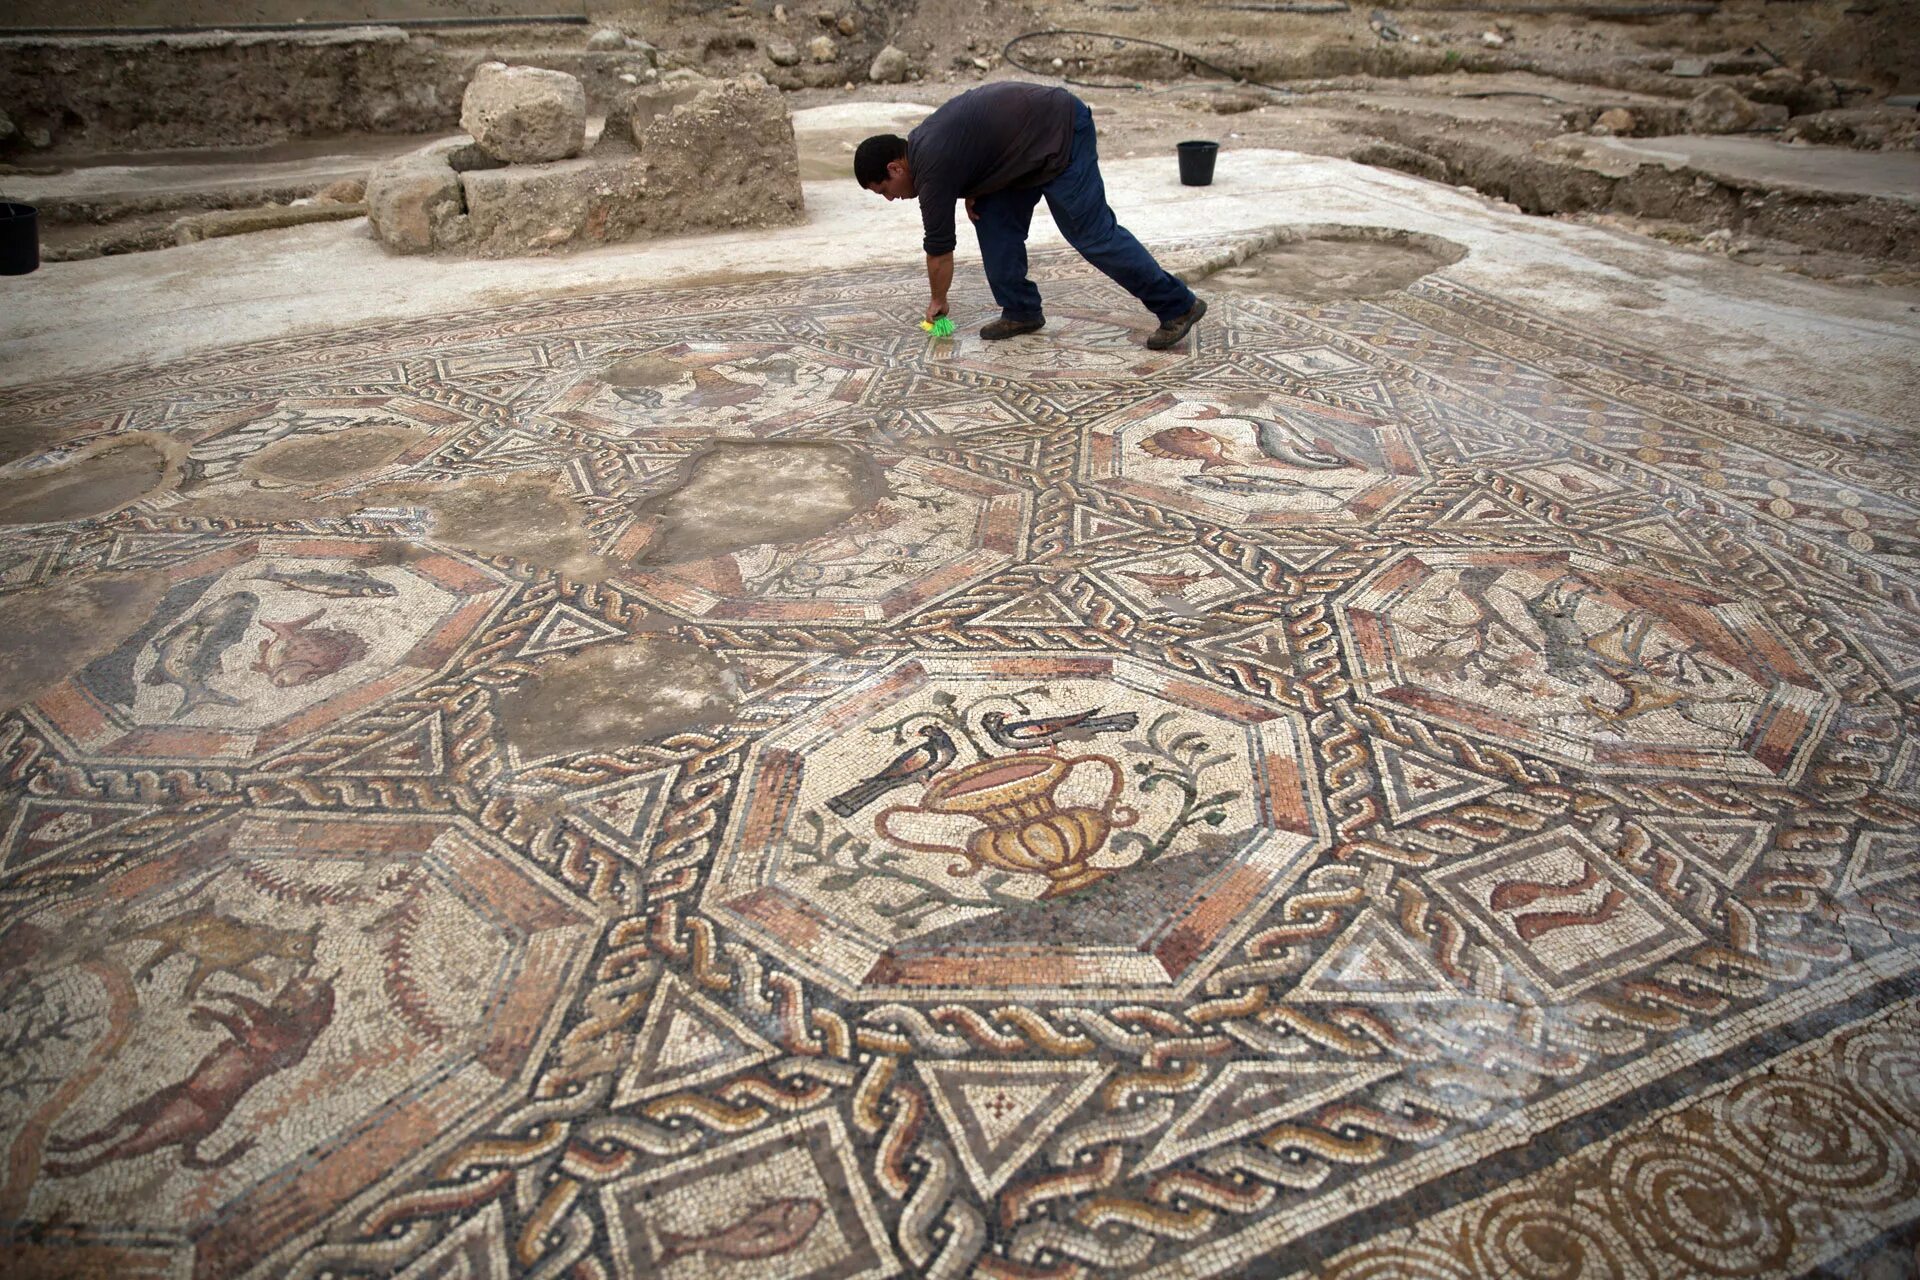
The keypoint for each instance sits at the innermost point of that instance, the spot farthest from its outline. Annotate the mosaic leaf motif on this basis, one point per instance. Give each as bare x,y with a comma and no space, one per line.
1399,787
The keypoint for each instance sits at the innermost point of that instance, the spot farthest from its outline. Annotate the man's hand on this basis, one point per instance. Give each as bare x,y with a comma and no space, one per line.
971,215
939,279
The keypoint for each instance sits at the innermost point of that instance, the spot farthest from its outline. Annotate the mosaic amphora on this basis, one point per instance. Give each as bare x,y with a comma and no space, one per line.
1023,828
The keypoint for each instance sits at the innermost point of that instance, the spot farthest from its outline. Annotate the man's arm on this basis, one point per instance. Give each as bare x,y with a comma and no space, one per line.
939,279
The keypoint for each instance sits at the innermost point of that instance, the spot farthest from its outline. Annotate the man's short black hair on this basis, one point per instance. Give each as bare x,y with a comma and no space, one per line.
870,161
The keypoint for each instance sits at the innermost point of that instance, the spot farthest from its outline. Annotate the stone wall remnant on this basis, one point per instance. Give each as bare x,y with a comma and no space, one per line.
680,156
525,115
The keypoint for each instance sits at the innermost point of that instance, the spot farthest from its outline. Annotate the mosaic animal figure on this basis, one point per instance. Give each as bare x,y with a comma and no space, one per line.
1169,583
1512,896
190,654
916,764
767,1231
1187,444
1023,735
319,582
221,944
266,1039
1283,441
297,656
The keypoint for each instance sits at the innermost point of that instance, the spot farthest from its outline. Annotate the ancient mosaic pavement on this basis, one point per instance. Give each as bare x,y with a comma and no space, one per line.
716,783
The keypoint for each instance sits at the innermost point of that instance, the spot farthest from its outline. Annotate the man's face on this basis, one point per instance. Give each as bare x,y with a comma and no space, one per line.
899,183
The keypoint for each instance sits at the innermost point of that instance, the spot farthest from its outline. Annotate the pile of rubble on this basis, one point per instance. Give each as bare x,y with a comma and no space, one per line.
684,153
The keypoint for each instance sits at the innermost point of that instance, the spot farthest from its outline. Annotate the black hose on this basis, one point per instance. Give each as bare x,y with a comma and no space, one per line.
1006,53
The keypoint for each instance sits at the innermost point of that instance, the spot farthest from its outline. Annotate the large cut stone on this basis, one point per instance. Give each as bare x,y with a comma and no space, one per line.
525,115
632,110
1721,110
890,66
414,203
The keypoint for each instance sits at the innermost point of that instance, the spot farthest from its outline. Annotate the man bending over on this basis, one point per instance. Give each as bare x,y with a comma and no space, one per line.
1000,148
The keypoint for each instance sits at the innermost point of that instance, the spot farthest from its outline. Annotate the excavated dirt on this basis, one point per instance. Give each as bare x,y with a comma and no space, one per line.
48,633
332,458
741,494
24,440
530,517
95,484
615,695
1354,262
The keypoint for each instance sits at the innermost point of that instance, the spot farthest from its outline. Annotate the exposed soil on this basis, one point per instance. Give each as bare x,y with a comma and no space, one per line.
95,484
334,457
615,695
1351,262
49,632
741,494
528,516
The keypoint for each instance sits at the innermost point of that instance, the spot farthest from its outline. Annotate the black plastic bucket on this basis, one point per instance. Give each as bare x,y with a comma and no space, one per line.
19,239
1196,163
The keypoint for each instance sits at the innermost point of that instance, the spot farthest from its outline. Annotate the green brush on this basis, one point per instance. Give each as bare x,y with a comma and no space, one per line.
939,326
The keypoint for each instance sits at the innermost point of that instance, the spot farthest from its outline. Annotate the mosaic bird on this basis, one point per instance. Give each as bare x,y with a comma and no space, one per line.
1048,730
916,764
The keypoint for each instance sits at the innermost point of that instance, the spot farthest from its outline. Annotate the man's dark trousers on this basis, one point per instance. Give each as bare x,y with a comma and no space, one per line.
1078,201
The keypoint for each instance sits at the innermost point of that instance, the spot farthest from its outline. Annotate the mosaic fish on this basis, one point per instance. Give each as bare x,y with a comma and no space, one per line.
1286,443
190,654
1245,482
297,655
1188,444
349,582
768,1231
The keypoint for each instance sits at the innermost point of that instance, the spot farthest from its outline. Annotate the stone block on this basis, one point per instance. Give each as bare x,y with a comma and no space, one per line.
1617,121
632,110
823,49
414,203
782,53
1720,109
238,222
525,115
527,209
890,66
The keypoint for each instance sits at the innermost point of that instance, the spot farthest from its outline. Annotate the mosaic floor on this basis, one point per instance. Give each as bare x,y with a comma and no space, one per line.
717,783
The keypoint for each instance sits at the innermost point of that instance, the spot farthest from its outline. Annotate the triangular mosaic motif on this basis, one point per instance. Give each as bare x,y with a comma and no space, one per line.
685,1041
998,1113
1374,963
565,627
1416,784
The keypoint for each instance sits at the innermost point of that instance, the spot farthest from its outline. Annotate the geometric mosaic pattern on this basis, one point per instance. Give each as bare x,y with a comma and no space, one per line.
1393,787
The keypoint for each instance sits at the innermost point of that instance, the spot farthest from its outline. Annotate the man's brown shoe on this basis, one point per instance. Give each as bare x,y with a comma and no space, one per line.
1005,328
1174,330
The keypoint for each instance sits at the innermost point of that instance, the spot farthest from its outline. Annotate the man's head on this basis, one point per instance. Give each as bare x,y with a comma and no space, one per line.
880,165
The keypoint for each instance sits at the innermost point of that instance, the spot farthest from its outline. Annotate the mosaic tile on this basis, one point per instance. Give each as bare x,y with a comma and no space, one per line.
1391,788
